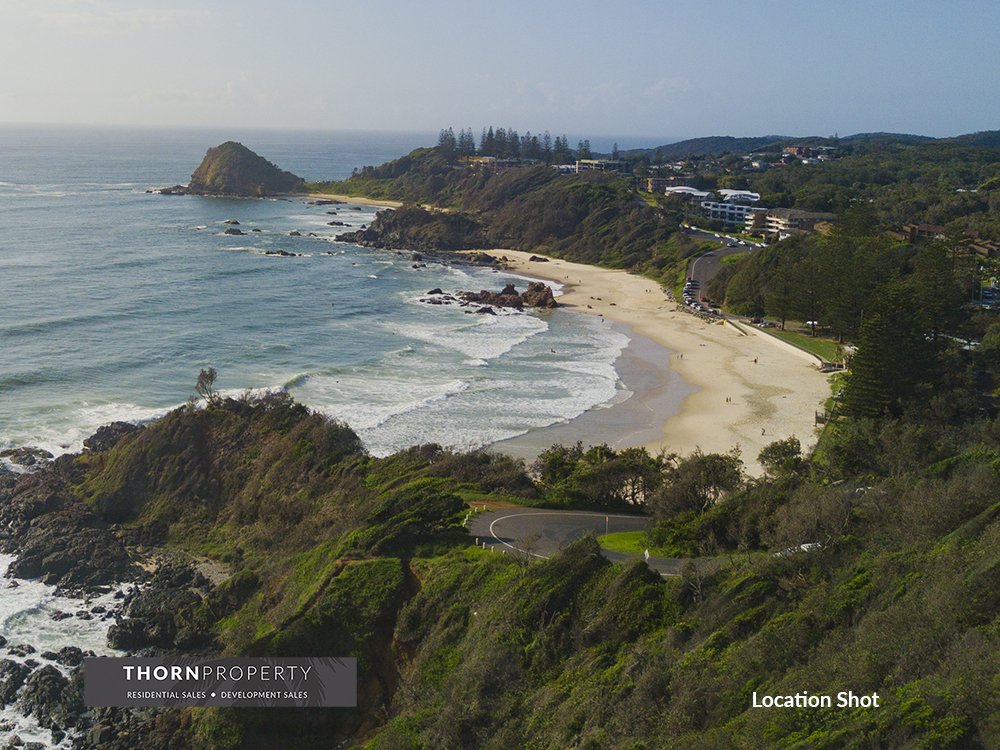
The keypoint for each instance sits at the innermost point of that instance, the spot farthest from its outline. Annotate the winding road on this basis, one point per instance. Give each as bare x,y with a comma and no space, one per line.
541,533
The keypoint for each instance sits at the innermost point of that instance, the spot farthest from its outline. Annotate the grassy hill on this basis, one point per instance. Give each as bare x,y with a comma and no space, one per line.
331,552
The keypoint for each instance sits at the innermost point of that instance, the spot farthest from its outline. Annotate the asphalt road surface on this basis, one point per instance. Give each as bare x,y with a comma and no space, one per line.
541,533
704,267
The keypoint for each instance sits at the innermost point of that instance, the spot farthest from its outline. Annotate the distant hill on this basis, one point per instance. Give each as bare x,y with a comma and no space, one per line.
717,145
904,139
233,169
713,145
982,139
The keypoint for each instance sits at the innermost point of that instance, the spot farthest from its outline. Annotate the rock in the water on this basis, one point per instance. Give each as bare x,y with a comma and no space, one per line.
231,221
234,231
69,656
108,436
51,698
12,677
295,233
233,169
26,456
435,290
537,295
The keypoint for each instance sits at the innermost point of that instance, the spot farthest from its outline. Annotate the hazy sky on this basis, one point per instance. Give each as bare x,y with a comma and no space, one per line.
664,68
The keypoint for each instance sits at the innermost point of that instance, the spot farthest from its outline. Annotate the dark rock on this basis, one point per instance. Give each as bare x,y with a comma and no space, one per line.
158,616
26,456
435,290
537,295
537,259
51,698
231,221
324,202
57,538
281,253
336,224
295,233
3,641
69,656
57,616
12,677
108,436
416,257
486,311
234,231
22,649
255,229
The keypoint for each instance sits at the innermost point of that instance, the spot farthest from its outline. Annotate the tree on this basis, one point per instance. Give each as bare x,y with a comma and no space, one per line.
583,150
892,357
697,482
206,385
782,457
614,152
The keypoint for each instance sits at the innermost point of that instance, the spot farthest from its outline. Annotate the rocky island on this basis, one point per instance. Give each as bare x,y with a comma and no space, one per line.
233,169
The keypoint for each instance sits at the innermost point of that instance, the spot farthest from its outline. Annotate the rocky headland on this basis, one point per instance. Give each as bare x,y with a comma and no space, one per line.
233,169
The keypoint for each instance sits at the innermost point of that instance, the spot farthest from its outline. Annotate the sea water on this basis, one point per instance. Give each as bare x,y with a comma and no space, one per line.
112,299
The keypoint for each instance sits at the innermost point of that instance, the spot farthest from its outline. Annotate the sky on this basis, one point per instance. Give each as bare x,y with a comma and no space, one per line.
668,69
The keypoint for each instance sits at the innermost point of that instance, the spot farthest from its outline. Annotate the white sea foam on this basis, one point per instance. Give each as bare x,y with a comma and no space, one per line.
27,608
75,425
483,337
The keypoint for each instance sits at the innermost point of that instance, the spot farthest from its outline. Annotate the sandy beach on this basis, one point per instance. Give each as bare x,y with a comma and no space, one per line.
356,200
749,388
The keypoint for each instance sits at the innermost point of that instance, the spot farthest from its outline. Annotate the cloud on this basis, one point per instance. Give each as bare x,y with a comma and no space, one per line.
666,86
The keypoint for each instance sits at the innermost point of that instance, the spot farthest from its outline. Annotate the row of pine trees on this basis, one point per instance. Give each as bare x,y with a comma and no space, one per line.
507,143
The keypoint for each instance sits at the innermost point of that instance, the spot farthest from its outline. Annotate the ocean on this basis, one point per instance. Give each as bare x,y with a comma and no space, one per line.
112,299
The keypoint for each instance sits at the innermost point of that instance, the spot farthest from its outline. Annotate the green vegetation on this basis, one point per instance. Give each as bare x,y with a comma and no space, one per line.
869,566
233,169
629,543
334,552
829,349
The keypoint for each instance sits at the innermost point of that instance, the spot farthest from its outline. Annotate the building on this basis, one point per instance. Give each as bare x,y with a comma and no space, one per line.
733,208
984,248
687,191
916,232
784,222
660,184
599,165
734,214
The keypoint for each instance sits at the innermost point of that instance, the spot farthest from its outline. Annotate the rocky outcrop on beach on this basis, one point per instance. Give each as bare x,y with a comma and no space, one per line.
233,169
536,295
414,228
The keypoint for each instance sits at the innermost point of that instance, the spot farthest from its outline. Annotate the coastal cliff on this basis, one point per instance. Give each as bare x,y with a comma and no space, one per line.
233,169
276,534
